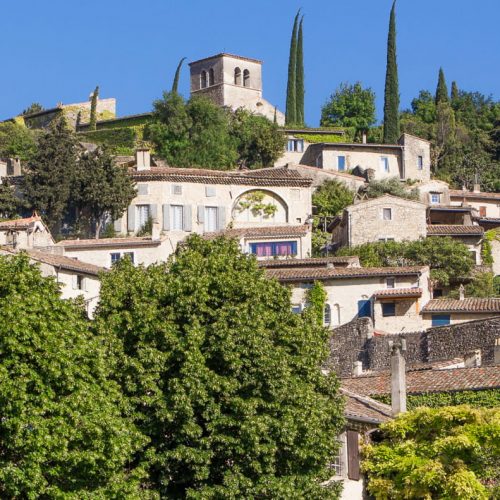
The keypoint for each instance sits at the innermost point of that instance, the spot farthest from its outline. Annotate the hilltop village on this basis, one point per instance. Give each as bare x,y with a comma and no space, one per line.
401,267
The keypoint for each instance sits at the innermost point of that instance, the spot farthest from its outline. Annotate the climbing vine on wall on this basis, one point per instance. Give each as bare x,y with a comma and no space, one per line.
316,300
254,202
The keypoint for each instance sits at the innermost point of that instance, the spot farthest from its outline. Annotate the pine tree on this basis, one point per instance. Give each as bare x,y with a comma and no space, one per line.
93,109
299,81
442,89
454,92
291,93
175,84
391,101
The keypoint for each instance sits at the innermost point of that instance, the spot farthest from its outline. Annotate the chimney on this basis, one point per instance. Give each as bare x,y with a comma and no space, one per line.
357,369
461,292
477,188
473,359
398,376
143,159
363,136
496,356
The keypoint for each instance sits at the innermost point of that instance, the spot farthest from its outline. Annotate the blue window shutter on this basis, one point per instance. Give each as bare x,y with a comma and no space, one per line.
117,224
187,218
441,319
131,218
201,213
166,217
221,218
153,211
364,308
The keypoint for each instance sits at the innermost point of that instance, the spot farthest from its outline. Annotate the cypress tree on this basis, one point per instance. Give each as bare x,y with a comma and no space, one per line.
291,95
93,109
442,89
391,96
299,82
454,92
175,83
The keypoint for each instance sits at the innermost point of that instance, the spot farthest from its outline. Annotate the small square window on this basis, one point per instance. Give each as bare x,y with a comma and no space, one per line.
129,255
420,162
295,145
388,309
115,257
387,214
176,189
296,309
390,282
435,198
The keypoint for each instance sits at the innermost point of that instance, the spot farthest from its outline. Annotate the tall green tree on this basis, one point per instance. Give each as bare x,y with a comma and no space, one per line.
17,141
291,89
391,93
225,380
175,83
93,109
350,106
299,85
49,176
441,89
454,92
64,431
10,204
101,190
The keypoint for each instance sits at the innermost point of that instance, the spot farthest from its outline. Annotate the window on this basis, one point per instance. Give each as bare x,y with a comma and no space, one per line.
176,189
388,309
384,163
420,162
435,198
436,293
274,248
177,216
210,219
211,76
143,214
115,257
319,161
327,315
387,213
246,78
237,76
482,211
340,163
129,255
306,285
79,285
386,239
440,319
390,282
203,79
295,145
296,309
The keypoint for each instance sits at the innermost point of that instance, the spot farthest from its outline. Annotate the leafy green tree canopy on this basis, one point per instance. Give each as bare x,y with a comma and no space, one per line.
350,106
450,452
10,204
34,107
331,198
16,141
224,378
392,186
63,431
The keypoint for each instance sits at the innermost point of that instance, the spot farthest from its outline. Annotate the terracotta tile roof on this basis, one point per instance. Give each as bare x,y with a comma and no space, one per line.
313,262
60,261
398,292
19,223
308,168
365,409
291,274
453,230
108,242
457,193
417,382
469,304
284,177
261,232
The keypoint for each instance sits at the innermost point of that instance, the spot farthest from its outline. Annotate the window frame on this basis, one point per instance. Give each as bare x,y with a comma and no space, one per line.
173,210
274,246
441,320
343,163
384,163
390,282
433,201
392,309
387,210
420,162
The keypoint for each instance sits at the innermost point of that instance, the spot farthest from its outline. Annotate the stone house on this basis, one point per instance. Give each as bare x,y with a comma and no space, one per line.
486,205
29,232
442,312
392,296
182,201
75,278
387,218
409,159
232,81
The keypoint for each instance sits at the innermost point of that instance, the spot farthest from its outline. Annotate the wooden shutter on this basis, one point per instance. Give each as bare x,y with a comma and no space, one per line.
74,281
166,217
131,218
221,218
352,455
201,213
187,218
117,224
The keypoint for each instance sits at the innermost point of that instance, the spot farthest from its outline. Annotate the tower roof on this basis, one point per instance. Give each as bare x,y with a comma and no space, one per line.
225,54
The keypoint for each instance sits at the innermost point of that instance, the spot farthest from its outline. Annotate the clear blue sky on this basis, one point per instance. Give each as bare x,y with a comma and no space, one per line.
59,50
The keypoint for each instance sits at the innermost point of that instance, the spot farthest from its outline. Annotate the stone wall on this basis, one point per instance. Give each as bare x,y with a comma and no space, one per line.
357,341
